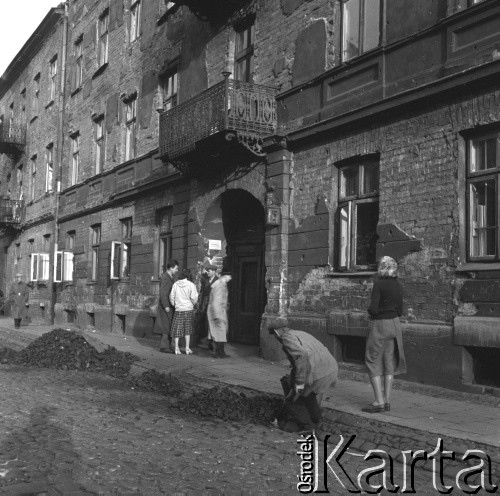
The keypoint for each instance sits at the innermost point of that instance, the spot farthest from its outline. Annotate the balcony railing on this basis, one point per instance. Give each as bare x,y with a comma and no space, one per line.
12,137
245,109
11,212
212,10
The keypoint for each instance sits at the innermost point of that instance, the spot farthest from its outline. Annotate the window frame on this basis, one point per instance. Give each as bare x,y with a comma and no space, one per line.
99,144
35,103
75,158
53,78
474,177
244,56
33,163
346,244
169,82
130,127
135,20
103,38
49,168
344,56
42,266
78,62
165,238
95,242
63,266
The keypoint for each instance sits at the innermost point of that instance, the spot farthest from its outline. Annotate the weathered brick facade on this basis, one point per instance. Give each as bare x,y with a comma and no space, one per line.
271,215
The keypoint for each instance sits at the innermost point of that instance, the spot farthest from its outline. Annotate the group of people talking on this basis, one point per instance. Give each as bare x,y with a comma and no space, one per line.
175,314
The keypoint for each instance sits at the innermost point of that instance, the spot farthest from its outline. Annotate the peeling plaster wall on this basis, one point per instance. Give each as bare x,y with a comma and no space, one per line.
419,168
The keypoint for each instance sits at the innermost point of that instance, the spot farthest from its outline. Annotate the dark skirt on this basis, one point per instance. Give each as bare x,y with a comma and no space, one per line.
384,348
182,324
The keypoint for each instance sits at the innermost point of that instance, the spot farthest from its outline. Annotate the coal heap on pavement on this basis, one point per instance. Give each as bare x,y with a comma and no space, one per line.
229,404
67,350
156,382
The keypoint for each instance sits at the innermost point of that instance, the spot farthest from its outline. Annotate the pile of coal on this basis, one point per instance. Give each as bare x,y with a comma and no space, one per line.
67,350
229,404
156,382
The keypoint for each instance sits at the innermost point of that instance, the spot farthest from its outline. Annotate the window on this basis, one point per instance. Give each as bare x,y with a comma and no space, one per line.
121,251
33,178
53,79
165,239
135,20
39,267
483,174
23,105
75,160
63,265
49,172
360,27
100,147
78,63
70,240
36,95
20,174
130,124
243,59
102,33
95,240
169,83
358,214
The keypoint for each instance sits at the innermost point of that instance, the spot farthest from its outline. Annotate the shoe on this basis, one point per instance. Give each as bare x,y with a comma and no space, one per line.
374,408
177,352
387,407
188,351
164,350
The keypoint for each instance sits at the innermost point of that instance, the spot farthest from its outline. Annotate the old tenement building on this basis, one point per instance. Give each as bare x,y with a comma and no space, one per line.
292,141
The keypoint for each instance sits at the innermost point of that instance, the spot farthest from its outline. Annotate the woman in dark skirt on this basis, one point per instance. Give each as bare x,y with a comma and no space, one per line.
183,297
384,355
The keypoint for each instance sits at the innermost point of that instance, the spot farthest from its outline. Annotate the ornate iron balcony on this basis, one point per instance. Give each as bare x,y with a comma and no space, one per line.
12,138
212,10
11,212
240,111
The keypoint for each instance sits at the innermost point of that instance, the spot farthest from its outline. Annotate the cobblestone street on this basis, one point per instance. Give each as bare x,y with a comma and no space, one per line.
74,433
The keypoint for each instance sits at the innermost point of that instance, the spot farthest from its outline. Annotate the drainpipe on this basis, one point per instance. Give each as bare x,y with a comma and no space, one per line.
58,168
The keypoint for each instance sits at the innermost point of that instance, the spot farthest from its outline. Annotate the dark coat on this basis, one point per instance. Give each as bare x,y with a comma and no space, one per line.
19,296
164,318
204,296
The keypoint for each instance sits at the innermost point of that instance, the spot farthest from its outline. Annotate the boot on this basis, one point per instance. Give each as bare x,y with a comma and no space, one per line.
222,353
216,349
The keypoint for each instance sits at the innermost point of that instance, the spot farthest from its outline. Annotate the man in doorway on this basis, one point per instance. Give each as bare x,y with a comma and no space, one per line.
207,279
19,297
314,370
165,312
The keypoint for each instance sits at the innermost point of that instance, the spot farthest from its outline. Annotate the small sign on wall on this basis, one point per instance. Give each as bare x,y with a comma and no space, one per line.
273,215
214,244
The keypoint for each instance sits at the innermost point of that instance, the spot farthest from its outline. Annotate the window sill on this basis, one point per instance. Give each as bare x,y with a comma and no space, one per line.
49,104
74,92
478,267
100,70
91,283
361,273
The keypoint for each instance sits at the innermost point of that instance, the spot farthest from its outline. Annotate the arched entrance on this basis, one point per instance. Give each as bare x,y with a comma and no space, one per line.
243,223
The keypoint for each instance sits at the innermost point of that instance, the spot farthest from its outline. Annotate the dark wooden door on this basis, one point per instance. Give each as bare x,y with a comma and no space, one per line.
248,295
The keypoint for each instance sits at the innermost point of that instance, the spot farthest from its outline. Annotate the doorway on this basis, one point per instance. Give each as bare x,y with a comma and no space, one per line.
243,221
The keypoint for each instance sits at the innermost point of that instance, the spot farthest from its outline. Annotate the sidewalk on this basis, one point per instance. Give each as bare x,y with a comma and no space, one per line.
469,420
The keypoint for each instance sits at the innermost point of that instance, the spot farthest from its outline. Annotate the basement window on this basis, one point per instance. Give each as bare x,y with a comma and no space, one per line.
485,365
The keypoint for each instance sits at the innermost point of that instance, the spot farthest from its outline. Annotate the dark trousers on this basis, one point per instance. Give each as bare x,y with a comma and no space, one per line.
301,414
17,323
